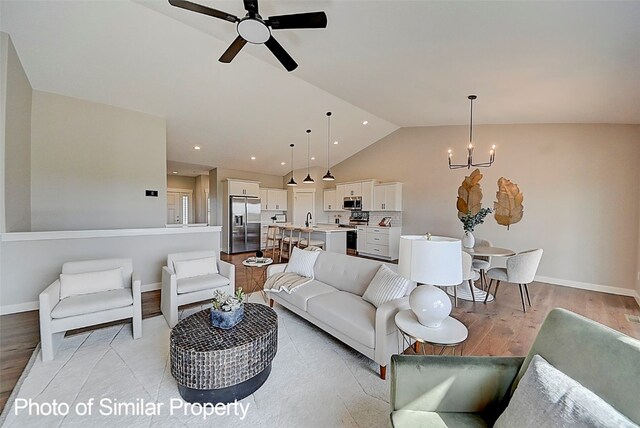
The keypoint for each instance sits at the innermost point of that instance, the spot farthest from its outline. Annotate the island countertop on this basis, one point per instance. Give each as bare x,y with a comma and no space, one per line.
318,228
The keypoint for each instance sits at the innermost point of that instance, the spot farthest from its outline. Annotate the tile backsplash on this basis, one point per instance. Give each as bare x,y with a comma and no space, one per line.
376,217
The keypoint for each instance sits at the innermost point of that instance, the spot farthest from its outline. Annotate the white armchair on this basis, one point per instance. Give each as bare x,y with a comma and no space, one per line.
177,292
59,312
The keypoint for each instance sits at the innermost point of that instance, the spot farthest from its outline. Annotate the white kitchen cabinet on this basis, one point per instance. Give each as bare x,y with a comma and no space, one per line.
329,200
361,243
366,191
379,242
353,189
387,197
243,188
340,194
273,199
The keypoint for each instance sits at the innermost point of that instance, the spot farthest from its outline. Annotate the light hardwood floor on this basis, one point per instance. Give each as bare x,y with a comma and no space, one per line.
495,328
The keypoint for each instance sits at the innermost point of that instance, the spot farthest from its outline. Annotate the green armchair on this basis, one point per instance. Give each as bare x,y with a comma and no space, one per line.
443,391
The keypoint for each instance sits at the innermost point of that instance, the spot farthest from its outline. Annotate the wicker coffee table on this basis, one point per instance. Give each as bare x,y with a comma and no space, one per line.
214,366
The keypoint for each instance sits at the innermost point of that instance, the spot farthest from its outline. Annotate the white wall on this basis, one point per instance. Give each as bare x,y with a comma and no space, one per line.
580,186
16,93
91,164
200,195
29,264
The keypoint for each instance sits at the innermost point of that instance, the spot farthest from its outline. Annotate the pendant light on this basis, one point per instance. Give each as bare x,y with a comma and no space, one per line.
328,176
469,164
308,179
292,182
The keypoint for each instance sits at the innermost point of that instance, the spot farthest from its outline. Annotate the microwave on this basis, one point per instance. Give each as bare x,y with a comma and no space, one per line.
352,203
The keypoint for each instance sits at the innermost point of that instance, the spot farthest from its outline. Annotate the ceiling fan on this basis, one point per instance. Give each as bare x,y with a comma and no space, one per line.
254,29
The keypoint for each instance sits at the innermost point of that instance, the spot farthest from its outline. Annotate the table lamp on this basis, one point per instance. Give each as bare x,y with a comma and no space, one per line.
430,260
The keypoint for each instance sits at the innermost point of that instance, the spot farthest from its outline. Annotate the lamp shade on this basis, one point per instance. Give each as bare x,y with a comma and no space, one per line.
437,261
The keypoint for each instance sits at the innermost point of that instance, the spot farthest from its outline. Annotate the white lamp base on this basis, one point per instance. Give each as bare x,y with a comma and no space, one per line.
430,304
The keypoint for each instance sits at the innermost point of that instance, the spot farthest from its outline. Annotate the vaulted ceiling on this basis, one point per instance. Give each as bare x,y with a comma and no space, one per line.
392,63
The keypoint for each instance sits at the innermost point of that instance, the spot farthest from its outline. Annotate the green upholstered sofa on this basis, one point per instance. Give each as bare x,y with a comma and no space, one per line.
443,391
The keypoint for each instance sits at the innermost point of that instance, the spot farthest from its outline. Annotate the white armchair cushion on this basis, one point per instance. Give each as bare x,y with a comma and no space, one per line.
196,267
302,262
385,286
92,303
201,282
76,284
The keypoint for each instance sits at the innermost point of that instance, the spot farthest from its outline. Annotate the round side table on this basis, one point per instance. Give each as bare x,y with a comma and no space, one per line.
451,333
256,282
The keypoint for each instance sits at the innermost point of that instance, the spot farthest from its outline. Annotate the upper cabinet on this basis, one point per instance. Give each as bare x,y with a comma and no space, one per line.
362,189
366,191
243,188
387,197
273,199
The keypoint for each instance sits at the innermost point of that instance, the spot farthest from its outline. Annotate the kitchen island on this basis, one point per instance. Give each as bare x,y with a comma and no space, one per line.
334,237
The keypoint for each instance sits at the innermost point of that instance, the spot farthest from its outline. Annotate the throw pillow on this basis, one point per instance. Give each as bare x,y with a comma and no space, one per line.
546,397
302,262
195,267
74,284
385,286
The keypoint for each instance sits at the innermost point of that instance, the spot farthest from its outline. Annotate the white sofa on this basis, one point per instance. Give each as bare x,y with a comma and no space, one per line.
59,315
177,292
333,301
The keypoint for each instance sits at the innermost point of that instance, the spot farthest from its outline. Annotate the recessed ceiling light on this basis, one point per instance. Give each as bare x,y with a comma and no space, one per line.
253,158
196,147
366,122
313,158
283,163
175,172
335,142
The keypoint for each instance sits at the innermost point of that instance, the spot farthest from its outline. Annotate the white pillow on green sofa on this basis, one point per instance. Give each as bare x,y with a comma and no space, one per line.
546,397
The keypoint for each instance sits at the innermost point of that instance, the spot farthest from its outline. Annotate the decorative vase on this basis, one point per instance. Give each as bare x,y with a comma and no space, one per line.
226,319
468,240
430,304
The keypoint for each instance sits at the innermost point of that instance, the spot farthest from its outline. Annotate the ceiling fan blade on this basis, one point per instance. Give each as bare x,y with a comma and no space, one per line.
204,10
251,6
282,55
233,50
298,20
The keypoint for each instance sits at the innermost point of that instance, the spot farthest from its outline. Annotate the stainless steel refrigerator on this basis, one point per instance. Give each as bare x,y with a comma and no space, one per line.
244,219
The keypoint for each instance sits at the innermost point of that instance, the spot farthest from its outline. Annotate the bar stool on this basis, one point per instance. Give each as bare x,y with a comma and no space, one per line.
273,240
289,240
308,242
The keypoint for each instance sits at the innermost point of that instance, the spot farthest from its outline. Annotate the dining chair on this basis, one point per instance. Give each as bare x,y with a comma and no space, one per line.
521,269
308,242
274,236
288,240
468,275
482,263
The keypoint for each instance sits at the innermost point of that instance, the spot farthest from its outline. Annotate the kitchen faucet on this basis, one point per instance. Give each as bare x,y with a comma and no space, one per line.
307,218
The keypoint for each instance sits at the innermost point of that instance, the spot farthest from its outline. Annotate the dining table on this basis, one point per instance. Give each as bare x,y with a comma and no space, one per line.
463,290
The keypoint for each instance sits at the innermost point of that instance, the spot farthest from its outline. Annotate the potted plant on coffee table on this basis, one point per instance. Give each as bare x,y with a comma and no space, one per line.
227,310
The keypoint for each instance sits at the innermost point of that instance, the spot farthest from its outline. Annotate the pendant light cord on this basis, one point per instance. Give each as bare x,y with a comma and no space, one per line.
308,144
471,123
328,137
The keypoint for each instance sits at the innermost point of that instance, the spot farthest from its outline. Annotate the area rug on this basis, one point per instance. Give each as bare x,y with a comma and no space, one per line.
315,381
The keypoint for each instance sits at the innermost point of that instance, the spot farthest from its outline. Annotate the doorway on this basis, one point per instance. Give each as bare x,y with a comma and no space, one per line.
179,207
303,203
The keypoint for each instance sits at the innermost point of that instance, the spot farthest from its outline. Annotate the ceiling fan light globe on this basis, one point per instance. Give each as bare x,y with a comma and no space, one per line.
253,31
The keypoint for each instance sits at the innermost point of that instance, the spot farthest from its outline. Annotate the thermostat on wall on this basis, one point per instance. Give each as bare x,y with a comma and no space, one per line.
153,193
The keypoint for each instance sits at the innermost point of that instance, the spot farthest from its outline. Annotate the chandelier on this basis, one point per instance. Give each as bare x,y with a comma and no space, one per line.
469,164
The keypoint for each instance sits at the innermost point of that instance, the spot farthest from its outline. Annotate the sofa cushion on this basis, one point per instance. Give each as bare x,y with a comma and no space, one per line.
75,284
347,313
301,262
546,397
300,296
418,419
346,273
385,286
202,282
195,267
92,303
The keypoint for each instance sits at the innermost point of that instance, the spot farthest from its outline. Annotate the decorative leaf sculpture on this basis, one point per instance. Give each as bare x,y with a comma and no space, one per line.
470,195
508,207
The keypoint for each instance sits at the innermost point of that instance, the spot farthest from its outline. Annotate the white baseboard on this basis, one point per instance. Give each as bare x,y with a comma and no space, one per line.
20,307
33,306
589,286
151,287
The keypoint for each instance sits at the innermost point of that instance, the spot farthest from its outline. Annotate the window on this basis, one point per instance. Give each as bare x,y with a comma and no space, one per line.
185,209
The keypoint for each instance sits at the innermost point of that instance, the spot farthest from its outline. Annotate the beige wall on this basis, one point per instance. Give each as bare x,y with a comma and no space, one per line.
91,164
181,182
16,91
579,183
201,191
